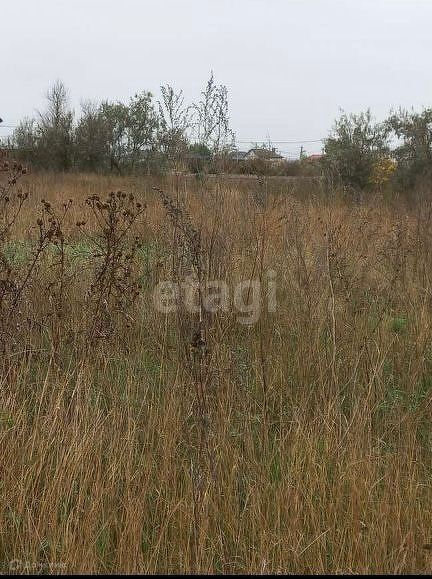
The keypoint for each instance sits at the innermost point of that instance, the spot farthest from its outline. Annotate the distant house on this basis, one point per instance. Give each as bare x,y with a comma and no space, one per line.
268,155
314,158
263,154
238,155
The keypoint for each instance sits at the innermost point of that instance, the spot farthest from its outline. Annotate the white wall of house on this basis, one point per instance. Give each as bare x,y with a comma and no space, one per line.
252,155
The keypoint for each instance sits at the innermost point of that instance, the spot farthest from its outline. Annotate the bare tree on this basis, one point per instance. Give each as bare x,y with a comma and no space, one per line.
212,117
55,129
174,122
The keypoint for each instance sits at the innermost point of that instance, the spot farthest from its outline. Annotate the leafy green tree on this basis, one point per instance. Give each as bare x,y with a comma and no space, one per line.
54,133
142,126
413,154
131,131
355,144
115,117
92,139
24,140
199,157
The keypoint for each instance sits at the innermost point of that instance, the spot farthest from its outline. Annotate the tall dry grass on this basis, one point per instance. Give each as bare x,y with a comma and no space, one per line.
301,444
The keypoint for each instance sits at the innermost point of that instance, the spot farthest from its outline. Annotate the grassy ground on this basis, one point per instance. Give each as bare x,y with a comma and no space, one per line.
298,444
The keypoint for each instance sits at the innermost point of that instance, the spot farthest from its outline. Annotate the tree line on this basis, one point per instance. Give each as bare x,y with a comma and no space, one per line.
141,135
363,153
155,136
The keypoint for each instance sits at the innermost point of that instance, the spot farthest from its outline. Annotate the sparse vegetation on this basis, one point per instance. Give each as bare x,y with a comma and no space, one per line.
135,441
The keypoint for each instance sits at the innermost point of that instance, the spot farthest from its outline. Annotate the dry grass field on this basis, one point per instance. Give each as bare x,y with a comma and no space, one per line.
140,441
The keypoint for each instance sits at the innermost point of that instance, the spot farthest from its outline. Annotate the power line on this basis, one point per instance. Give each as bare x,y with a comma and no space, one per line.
281,142
244,141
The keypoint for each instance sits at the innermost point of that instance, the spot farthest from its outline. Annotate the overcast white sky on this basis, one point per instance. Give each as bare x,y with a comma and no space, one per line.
289,65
